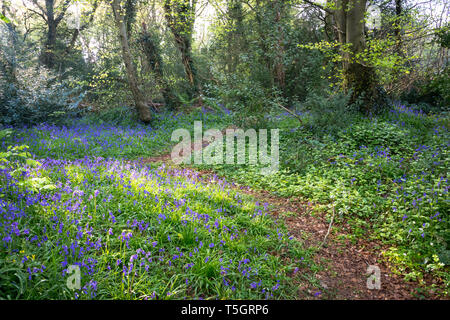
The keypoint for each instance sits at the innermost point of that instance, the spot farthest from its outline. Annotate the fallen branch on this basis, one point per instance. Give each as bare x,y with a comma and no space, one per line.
295,115
329,228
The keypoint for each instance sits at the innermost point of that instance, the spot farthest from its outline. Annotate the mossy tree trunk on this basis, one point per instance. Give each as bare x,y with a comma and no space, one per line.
180,18
154,62
139,99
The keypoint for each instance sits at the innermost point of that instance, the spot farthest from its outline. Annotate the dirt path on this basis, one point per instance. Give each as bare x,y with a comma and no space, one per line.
345,264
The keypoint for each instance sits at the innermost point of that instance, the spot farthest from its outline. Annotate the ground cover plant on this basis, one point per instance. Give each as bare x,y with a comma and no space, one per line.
92,93
136,231
386,177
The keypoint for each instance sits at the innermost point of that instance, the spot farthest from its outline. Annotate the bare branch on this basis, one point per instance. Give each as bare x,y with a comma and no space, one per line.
42,14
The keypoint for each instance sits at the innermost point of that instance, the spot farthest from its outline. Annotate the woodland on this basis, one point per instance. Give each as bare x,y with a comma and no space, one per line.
93,207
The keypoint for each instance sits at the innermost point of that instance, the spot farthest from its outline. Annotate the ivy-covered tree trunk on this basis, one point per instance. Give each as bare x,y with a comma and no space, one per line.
184,45
139,100
180,17
358,77
236,41
154,63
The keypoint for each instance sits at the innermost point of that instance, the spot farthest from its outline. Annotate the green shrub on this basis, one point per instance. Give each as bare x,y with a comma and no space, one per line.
329,113
37,97
433,94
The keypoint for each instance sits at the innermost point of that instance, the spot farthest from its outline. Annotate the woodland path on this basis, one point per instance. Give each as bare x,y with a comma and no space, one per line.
344,263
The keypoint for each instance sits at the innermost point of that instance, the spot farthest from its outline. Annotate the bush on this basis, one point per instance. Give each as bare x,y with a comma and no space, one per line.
36,97
329,113
248,100
433,95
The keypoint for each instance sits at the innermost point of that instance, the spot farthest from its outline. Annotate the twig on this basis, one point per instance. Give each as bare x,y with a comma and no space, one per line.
286,109
329,228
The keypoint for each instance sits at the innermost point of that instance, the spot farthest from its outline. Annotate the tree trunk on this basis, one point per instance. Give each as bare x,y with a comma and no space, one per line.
180,16
360,78
330,32
184,45
139,100
48,55
279,70
398,28
236,42
153,63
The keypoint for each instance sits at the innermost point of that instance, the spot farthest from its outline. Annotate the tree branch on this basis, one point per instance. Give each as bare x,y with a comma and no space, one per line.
42,14
318,6
63,11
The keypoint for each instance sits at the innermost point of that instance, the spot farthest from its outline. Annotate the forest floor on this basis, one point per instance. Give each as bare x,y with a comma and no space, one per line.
344,273
344,263
363,201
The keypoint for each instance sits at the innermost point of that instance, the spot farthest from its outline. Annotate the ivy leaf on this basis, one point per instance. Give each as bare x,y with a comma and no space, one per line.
4,19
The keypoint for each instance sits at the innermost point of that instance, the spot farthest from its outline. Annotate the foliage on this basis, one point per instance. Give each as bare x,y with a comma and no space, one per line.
136,231
431,92
386,176
443,36
329,113
37,97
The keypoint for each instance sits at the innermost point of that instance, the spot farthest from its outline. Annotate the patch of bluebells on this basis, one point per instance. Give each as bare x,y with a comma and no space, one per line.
123,222
82,138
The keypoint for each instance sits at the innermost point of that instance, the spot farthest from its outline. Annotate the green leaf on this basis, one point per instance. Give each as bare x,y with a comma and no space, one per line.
5,19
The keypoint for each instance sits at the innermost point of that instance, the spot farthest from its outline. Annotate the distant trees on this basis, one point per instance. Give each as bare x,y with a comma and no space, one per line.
256,54
52,12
